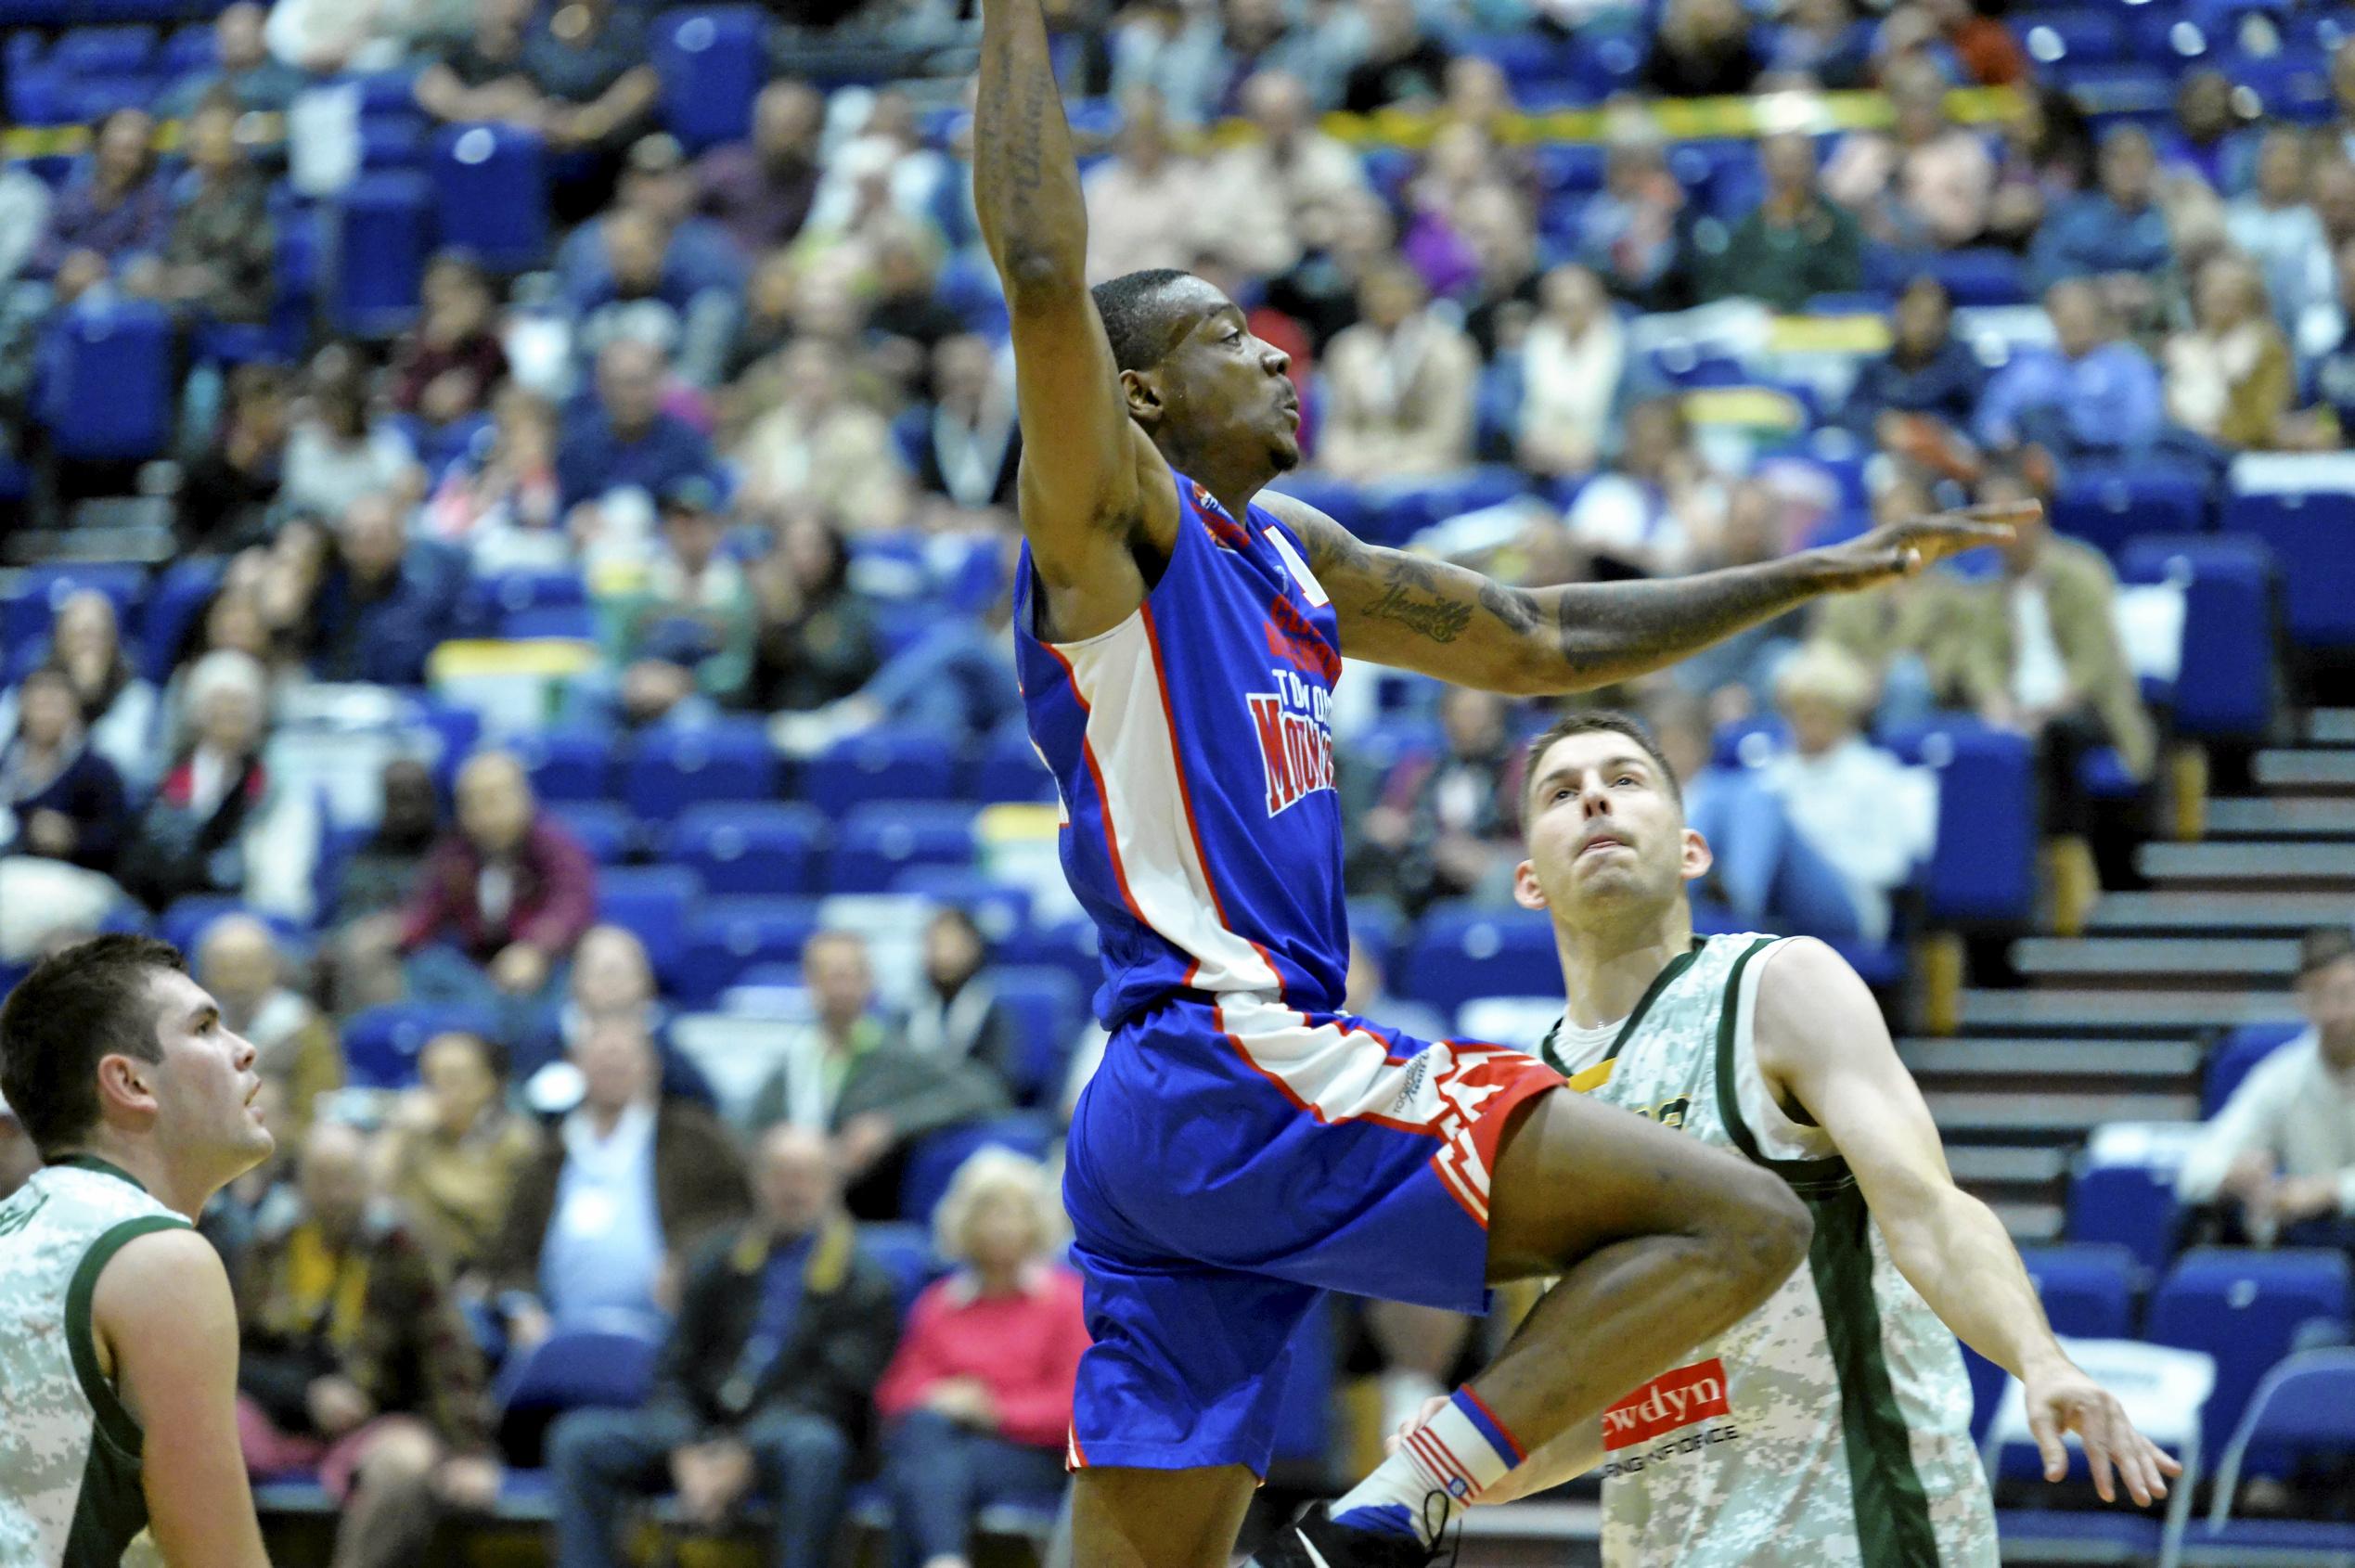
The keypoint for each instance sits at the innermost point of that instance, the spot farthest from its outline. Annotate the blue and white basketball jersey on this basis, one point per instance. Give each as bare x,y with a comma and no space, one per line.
1193,749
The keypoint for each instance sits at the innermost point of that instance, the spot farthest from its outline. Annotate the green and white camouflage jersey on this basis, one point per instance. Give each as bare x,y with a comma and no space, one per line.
1831,1427
70,1487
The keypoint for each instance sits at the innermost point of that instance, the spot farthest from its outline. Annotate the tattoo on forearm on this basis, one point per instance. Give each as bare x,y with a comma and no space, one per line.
1511,606
1438,619
1612,631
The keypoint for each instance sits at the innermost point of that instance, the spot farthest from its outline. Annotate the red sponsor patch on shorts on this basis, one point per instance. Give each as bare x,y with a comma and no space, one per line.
1667,1402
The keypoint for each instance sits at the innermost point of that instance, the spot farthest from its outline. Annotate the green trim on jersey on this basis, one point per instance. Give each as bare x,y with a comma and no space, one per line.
1549,1048
1805,1176
104,1167
115,1423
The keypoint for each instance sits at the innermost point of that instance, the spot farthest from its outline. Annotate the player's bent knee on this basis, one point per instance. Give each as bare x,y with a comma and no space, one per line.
1770,1228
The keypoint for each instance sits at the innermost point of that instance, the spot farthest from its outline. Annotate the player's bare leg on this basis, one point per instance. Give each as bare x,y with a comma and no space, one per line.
1125,1518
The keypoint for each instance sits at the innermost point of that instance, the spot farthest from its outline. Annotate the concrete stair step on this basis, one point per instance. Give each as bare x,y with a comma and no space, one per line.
2063,1116
2023,1063
2218,912
2135,956
2031,1225
2287,768
2330,727
2236,862
2056,1010
2282,817
1996,1164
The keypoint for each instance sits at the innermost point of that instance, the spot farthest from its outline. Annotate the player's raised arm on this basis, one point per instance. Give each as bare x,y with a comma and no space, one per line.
1083,504
1821,1042
1417,613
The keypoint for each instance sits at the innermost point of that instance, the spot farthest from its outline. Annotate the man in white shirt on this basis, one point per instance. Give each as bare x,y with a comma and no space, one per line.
2281,1154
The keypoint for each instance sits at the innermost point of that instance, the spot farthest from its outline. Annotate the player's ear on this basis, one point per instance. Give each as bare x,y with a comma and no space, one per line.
126,1084
1140,392
1526,891
1697,857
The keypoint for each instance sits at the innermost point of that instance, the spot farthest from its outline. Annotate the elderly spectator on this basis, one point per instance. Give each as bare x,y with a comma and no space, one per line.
1632,231
613,979
341,450
964,438
384,604
851,1076
2115,230
631,1183
956,1015
501,899
1796,244
2207,141
115,209
823,445
227,493
766,1377
1928,184
116,705
449,365
1272,196
1571,363
499,500
220,258
1659,509
623,437
1918,398
241,68
1144,204
2230,377
818,639
760,190
1403,64
1398,385
1823,41
1703,50
2281,231
355,1361
681,638
978,1397
2278,1161
453,1153
237,960
62,814
1446,826
2093,393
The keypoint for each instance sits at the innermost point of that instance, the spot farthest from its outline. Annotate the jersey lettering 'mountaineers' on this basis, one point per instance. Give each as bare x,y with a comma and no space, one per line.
1192,746
1831,1427
70,1487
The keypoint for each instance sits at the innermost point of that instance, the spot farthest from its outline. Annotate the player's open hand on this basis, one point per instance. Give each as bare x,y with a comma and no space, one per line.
2064,1400
1904,548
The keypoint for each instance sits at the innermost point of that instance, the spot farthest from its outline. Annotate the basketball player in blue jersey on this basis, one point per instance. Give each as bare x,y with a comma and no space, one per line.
1245,1145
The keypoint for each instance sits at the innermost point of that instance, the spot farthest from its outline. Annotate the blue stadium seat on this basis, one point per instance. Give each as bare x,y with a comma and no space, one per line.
1404,507
934,1163
2243,1308
1337,498
1009,769
606,830
748,848
967,285
556,588
674,768
2087,1288
1983,275
185,923
380,1044
30,609
654,902
1000,909
2132,1206
2236,1055
711,64
107,396
2307,1405
2225,684
568,764
2293,86
1983,868
1071,946
874,842
726,936
577,1367
883,764
2051,37
384,232
2106,506
490,190
906,1252
1047,1009
2310,534
1461,954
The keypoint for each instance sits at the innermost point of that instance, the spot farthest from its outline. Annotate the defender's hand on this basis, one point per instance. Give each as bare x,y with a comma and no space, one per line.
1901,549
2065,1399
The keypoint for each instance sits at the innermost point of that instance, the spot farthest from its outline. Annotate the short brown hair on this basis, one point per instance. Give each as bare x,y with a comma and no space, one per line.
88,1002
1597,720
2323,947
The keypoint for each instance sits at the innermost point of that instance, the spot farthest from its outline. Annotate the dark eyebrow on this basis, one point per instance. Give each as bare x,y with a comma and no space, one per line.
202,1014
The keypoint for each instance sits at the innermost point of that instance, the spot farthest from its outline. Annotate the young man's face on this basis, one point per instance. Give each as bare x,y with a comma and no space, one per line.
1607,832
205,1086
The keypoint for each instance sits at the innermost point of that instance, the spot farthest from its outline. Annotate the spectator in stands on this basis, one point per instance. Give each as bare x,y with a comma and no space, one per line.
2331,375
613,979
963,438
1145,202
220,821
227,493
1403,64
219,260
2277,1164
2092,394
824,445
906,317
623,437
116,706
383,603
1461,166
2207,141
2231,377
956,1015
817,638
1199,67
1398,385
62,816
1703,50
593,68
377,873
766,1379
856,1079
651,266
631,1184
234,621
357,1363
452,363
2333,188
1904,637
242,69
1918,399
1658,511
2047,161
1446,827
499,500
957,678
1925,186
1492,220
327,38
453,1153
1366,993
2116,232
978,1397
1321,292
1631,232
2279,229
1272,196
340,450
680,640
1796,244
1823,41
1984,50
760,190
501,900
1572,362
114,211
25,202
237,960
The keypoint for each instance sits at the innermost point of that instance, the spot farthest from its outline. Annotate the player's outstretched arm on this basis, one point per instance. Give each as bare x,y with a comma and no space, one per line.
163,1316
1824,1046
1446,621
1084,497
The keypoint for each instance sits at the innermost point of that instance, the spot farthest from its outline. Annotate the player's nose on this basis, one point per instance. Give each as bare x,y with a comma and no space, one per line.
1274,359
244,1054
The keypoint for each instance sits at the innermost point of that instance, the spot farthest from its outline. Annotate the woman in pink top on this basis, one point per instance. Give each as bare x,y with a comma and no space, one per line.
978,1398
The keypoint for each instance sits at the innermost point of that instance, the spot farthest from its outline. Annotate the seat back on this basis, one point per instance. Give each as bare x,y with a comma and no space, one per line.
2305,1402
2235,1055
935,1159
2245,1308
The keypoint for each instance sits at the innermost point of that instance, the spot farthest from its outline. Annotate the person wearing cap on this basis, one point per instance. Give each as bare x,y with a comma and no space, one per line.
2277,1164
678,639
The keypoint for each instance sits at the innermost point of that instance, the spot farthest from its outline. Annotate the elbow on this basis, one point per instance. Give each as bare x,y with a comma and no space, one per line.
1035,277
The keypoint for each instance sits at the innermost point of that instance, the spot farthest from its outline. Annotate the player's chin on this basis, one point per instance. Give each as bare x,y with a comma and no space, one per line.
1284,452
